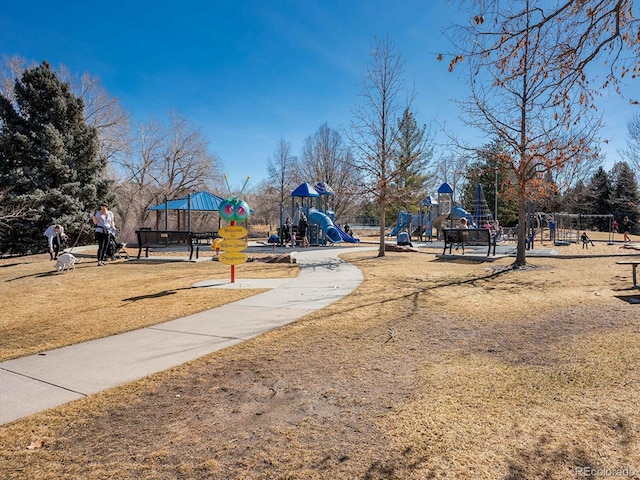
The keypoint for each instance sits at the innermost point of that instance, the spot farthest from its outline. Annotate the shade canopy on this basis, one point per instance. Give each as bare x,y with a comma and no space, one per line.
199,202
305,190
324,189
445,188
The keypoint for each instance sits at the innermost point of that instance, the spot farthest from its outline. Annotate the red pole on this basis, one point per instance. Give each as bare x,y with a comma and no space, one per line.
233,267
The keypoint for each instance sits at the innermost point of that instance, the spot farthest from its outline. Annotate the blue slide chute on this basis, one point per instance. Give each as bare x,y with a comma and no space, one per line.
329,230
459,212
345,236
395,231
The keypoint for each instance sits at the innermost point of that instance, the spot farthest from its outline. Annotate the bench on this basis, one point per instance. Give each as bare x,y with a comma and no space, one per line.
204,237
468,236
634,267
162,239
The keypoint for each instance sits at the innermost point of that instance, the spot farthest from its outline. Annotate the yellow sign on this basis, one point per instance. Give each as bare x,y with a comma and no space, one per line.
233,258
233,245
233,231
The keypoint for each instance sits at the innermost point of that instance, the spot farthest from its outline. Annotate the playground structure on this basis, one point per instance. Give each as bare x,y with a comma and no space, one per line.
314,202
559,228
442,213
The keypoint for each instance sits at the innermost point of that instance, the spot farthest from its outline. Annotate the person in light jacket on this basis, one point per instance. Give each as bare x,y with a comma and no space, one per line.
55,234
105,224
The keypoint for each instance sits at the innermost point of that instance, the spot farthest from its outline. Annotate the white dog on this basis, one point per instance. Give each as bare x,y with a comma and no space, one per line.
66,261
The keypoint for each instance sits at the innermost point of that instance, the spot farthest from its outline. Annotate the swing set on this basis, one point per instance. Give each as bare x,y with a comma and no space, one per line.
566,227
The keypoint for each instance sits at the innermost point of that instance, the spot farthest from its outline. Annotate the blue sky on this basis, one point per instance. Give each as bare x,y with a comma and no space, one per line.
248,72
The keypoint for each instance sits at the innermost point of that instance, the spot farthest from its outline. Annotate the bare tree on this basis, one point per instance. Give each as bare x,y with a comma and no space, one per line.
139,185
105,113
529,90
578,169
326,158
11,69
187,165
281,168
374,127
632,151
167,160
270,196
451,168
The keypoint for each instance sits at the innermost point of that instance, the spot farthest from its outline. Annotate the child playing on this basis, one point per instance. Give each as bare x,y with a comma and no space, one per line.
586,241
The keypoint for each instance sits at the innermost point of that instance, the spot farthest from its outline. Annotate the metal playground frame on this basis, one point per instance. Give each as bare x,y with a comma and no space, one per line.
567,226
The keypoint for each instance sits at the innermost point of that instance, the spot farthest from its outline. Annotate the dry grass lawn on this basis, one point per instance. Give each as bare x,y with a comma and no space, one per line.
430,369
42,309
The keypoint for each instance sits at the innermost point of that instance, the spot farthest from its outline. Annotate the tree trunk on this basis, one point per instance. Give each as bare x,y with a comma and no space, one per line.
381,249
521,255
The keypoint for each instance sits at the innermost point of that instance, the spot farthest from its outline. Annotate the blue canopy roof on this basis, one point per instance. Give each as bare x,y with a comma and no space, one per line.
200,202
305,190
445,188
323,189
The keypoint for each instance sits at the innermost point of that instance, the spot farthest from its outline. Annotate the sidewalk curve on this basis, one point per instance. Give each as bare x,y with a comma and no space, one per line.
38,382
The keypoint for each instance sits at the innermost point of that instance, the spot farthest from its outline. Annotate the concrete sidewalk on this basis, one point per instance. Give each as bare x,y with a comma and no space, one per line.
38,382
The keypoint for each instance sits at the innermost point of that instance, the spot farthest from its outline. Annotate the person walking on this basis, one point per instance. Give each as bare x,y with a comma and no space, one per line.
55,234
627,225
105,223
303,225
287,231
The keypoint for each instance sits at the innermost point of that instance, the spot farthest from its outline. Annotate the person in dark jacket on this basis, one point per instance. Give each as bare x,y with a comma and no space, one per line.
303,225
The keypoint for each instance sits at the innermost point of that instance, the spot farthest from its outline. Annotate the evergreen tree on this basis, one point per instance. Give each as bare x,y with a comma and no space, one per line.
412,156
483,171
625,197
578,199
48,159
601,192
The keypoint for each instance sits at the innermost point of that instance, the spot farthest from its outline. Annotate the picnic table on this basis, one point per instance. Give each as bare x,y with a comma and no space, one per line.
634,266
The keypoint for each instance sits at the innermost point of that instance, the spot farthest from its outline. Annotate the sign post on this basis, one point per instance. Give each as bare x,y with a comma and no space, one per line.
233,246
234,242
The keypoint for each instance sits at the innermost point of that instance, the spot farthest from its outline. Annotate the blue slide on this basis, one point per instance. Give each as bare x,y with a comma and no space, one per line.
459,212
329,230
395,231
345,236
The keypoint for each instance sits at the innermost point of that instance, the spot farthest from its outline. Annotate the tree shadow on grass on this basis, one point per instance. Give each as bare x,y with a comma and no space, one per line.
149,296
12,264
50,273
35,275
161,294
